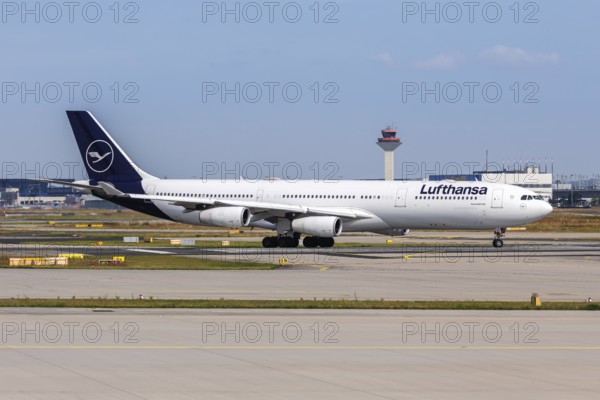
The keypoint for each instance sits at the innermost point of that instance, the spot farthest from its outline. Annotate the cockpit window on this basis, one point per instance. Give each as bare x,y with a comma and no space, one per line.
530,197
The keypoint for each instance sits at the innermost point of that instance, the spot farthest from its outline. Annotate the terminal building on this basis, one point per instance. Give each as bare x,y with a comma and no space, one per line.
28,192
530,178
576,191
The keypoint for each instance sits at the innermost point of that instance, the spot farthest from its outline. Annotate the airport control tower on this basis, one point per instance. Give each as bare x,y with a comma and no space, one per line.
389,142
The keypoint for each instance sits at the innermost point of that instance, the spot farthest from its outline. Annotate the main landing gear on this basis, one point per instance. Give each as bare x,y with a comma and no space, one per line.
294,241
499,233
281,241
315,241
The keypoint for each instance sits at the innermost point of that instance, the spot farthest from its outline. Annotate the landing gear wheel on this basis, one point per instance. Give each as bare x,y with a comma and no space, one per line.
270,242
499,233
310,242
326,242
286,241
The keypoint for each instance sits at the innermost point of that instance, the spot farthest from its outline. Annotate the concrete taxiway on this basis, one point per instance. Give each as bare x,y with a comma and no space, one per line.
456,269
297,354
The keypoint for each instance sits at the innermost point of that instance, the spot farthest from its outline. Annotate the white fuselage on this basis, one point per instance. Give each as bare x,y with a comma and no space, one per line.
394,205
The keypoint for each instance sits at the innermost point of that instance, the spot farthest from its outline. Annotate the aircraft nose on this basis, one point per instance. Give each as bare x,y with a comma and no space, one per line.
546,208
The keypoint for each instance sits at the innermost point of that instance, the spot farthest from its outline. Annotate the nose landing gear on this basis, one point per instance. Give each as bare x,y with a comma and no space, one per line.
499,233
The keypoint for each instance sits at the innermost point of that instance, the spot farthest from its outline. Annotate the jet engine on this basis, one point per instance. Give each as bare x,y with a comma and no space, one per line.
230,217
318,226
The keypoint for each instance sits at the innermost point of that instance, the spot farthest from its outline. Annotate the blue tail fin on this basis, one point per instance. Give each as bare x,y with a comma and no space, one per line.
103,158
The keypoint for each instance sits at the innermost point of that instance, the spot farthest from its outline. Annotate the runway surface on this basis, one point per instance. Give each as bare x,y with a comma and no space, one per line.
287,354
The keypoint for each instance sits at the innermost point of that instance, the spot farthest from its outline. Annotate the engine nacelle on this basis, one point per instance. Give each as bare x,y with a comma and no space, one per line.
318,226
230,217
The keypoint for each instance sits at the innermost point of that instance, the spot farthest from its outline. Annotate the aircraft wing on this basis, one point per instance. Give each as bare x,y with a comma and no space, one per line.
260,209
256,207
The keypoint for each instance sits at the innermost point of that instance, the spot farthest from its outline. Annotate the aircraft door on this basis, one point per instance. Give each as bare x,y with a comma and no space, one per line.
259,194
150,190
401,197
497,195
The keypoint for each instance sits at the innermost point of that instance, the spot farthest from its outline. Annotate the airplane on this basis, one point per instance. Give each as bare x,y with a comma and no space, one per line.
318,210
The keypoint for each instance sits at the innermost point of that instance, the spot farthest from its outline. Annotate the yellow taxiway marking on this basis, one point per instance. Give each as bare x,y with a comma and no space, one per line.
320,267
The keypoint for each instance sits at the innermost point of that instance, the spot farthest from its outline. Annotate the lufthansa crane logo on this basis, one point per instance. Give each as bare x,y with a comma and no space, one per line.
99,156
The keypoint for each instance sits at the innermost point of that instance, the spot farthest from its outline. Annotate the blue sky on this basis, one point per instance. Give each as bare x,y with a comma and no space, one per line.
361,66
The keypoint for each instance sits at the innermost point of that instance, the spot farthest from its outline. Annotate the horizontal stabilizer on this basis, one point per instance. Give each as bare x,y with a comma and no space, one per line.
104,187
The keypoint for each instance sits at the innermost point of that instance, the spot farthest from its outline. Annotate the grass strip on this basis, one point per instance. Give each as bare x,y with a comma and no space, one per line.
153,262
296,304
